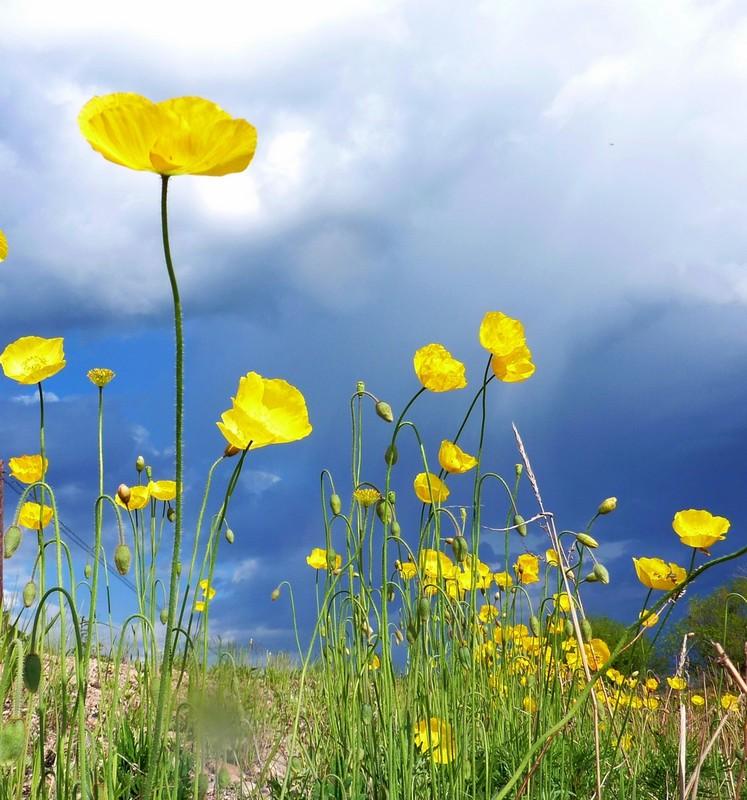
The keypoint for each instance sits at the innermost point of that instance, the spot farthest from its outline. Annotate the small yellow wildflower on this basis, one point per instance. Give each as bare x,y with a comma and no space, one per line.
654,573
429,488
34,516
28,469
319,558
527,568
162,490
730,702
648,619
435,736
453,459
503,580
697,700
100,376
699,528
32,359
139,497
677,683
552,557
3,247
367,496
487,613
437,370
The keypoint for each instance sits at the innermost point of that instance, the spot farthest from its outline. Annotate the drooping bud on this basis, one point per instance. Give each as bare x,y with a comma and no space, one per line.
591,578
122,559
12,540
464,656
534,625
12,741
139,463
586,540
396,529
231,451
335,503
171,514
568,628
520,524
424,609
412,632
29,594
460,548
607,506
88,571
391,456
398,637
586,631
124,493
164,616
384,511
229,536
384,410
32,672
275,595
601,572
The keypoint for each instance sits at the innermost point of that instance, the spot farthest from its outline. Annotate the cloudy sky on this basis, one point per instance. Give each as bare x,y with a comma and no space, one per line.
577,165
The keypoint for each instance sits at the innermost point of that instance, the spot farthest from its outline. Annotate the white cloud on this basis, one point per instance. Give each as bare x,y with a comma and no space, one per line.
245,570
257,481
33,398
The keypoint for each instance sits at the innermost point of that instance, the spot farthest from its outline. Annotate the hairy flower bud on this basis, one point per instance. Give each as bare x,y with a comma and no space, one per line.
460,548
122,559
601,572
424,609
32,672
607,506
29,594
139,463
275,595
124,493
396,529
384,410
391,456
518,470
229,536
88,571
171,514
335,503
534,625
12,540
586,631
12,741
360,387
586,540
520,524
164,616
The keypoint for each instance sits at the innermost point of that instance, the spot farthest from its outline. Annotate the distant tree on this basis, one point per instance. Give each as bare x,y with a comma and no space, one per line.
637,657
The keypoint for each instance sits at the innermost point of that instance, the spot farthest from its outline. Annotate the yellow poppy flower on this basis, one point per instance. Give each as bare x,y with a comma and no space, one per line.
200,606
652,703
452,458
480,580
503,580
429,488
435,564
552,557
699,528
406,569
318,558
3,247
515,367
31,359
654,573
730,702
697,700
367,496
34,516
28,469
207,589
527,568
100,376
374,662
180,136
437,370
139,496
501,334
487,613
435,736
265,411
529,704
651,684
615,676
677,683
162,490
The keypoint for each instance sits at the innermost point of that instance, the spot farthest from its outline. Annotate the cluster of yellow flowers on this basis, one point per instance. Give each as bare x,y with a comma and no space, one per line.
133,498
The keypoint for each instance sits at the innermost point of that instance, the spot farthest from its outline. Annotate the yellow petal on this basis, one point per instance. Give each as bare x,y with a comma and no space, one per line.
429,488
3,247
437,370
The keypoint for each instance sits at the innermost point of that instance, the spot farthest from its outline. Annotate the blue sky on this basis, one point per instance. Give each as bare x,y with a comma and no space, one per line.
579,167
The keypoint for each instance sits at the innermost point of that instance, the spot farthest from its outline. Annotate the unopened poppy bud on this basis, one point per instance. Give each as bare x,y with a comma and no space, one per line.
568,628
520,524
335,503
460,548
12,741
591,578
396,529
88,571
171,514
124,493
398,637
164,616
32,672
391,496
519,469
607,506
601,572
424,609
588,541
275,595
390,594
412,632
149,472
586,631
139,463
12,540
360,387
534,625
122,559
464,656
384,410
391,455
29,594
231,451
229,536
384,511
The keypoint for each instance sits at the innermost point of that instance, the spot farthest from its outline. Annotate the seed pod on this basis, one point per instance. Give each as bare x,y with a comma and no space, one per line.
366,714
202,786
412,632
164,616
171,514
122,559
520,524
396,529
124,493
460,548
335,504
424,609
275,594
139,463
384,410
384,511
229,536
534,625
601,572
391,456
569,628
607,506
586,630
12,540
586,540
32,672
29,594
12,741
88,571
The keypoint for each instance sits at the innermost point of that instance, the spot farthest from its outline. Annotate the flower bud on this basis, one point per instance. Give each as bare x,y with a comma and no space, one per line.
360,387
231,451
88,571
591,578
391,456
601,572
164,616
534,625
384,410
32,672
124,493
12,741
586,632
384,511
424,609
229,536
586,540
412,632
607,506
275,595
520,524
335,503
29,594
122,559
139,463
460,548
569,628
518,470
12,540
398,637
171,514
464,656
396,530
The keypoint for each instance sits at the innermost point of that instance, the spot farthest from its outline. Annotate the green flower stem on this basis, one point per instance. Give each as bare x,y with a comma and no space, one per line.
154,751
